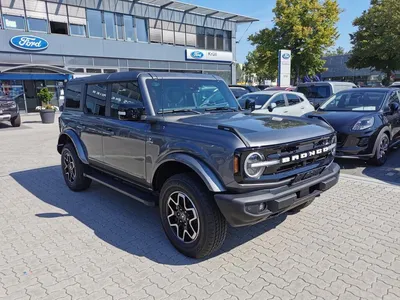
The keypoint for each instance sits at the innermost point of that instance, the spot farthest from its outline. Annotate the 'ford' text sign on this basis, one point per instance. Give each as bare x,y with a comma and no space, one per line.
29,42
209,55
197,54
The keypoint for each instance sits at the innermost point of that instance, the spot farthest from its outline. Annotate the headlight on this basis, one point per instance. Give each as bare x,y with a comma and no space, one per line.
364,123
11,104
252,171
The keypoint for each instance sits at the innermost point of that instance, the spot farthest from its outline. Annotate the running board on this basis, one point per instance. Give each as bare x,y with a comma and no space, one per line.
122,188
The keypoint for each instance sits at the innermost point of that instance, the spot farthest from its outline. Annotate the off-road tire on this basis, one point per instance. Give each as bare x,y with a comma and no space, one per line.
381,156
16,121
213,226
80,182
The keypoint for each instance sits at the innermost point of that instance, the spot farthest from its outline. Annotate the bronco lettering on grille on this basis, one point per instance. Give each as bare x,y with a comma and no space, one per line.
304,155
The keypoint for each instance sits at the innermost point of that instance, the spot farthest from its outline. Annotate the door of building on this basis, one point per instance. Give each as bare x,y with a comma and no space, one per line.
32,87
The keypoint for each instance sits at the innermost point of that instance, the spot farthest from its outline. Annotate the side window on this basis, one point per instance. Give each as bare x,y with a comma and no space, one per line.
95,103
279,101
293,99
127,92
394,97
73,96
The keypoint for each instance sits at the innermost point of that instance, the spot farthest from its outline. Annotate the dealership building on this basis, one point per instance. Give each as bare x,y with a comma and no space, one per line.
46,43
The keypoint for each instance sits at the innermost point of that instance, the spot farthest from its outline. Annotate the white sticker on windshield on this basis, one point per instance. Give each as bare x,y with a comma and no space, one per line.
364,108
276,119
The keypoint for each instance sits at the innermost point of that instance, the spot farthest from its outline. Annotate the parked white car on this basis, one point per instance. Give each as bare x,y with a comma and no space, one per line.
278,103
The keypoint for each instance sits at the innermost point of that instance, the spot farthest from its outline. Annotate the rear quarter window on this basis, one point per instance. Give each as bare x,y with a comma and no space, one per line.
73,96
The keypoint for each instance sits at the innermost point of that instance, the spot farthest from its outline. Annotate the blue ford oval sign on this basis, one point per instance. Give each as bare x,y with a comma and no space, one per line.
29,42
286,55
197,54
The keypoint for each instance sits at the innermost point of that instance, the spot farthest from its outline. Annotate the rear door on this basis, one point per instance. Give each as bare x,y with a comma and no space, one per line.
91,124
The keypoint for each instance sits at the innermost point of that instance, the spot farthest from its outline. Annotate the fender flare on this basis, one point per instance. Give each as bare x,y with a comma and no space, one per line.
210,179
79,147
384,129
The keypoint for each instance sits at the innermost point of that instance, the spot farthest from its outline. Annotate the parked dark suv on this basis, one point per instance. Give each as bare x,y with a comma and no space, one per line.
163,139
9,110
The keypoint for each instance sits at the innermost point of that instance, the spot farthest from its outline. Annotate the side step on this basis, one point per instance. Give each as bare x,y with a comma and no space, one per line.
124,188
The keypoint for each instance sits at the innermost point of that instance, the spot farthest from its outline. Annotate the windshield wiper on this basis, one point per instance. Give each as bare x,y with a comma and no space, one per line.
179,110
221,108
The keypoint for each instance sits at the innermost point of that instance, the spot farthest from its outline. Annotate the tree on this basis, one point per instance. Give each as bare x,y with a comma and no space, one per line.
376,42
337,51
306,27
256,63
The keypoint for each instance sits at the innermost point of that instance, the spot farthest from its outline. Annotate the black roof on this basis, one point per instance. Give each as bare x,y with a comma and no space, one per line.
133,75
367,89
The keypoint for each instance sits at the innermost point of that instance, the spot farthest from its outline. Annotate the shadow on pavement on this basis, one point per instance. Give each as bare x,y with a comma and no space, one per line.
119,220
390,172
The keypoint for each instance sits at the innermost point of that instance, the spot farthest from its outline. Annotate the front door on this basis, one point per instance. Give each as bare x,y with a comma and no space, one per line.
281,105
124,142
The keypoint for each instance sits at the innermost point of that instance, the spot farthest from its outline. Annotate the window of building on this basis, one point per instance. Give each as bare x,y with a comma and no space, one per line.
110,70
141,30
191,35
155,31
110,25
77,70
14,22
58,27
168,32
73,96
200,37
119,21
57,12
95,103
94,23
210,40
124,92
37,25
92,70
180,34
219,39
78,30
227,41
129,30
77,16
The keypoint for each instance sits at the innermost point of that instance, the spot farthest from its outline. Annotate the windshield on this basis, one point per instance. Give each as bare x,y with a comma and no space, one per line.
260,99
315,91
189,94
355,101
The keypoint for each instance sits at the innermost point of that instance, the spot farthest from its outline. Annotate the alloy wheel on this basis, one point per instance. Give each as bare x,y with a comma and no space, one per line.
69,167
383,146
183,217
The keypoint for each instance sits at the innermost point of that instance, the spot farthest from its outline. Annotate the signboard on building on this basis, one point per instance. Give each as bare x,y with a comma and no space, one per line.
29,42
284,60
208,55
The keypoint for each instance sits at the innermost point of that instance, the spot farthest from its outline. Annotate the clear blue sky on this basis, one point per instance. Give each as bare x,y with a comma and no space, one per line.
262,10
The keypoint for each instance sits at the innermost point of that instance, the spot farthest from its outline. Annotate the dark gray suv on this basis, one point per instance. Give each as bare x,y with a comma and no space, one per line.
182,142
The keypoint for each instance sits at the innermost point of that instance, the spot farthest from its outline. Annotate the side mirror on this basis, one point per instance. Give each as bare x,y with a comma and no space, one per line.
250,104
271,107
394,107
130,111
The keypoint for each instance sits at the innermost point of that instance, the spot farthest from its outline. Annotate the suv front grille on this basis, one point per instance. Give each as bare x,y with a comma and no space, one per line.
6,104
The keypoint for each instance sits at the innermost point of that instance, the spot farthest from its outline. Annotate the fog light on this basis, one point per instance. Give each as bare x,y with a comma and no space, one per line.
261,206
363,142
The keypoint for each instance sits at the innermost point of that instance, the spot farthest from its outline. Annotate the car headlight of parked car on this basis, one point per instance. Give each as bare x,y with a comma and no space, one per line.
250,168
11,104
364,123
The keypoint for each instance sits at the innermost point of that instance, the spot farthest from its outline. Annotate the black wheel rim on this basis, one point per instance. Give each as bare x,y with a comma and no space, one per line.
69,167
183,217
383,147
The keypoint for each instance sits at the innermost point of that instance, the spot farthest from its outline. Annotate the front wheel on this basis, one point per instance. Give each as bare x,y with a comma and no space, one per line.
190,217
16,121
382,150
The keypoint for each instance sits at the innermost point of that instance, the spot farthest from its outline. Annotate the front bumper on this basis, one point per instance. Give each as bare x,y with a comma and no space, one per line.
241,209
356,145
7,114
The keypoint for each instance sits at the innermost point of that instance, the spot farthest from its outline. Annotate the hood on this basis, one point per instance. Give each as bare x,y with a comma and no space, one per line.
262,130
341,119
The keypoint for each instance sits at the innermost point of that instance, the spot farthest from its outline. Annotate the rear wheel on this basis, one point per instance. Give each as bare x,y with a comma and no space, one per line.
16,121
73,169
190,217
382,149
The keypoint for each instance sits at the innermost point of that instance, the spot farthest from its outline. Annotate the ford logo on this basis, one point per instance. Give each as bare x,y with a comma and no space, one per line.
29,42
197,54
286,55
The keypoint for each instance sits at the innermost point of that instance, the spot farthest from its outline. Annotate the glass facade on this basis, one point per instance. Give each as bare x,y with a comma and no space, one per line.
141,30
14,22
78,30
38,25
94,23
110,25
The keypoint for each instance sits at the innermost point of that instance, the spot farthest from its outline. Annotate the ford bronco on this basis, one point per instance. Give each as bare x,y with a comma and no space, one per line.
183,143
